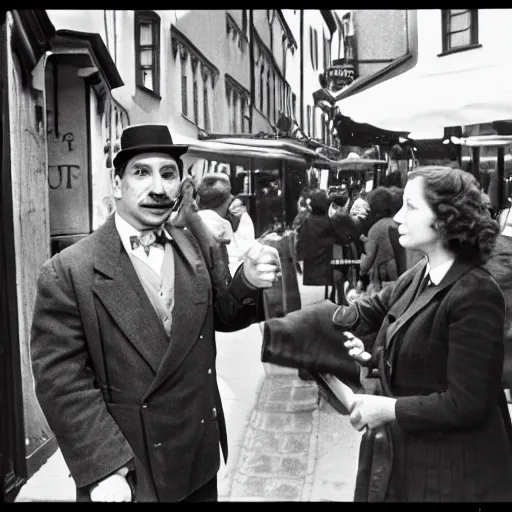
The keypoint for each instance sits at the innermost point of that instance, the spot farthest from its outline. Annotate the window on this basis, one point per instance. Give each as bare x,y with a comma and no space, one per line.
242,114
195,92
206,112
313,134
327,52
184,97
313,47
274,96
244,21
234,112
262,71
268,94
147,50
294,104
460,28
309,119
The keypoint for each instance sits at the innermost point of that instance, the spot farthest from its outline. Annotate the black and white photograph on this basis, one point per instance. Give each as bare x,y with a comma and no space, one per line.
256,255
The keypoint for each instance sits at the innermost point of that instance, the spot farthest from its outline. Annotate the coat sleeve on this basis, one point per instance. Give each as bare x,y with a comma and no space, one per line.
476,313
90,440
238,306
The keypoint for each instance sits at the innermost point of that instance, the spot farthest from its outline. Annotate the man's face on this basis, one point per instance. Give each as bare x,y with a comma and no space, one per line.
148,189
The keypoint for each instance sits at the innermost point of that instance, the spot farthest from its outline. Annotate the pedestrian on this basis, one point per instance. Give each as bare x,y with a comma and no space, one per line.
243,232
123,339
378,260
440,429
213,198
315,242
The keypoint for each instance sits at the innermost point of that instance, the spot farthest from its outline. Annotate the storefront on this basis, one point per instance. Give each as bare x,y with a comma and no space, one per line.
268,174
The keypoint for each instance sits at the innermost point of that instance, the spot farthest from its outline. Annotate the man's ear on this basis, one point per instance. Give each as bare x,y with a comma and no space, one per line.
117,188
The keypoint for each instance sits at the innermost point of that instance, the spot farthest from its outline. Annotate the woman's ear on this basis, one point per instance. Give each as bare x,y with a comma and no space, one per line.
117,192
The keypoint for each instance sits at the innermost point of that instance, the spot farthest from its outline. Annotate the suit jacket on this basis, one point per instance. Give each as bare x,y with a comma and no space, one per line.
444,359
111,384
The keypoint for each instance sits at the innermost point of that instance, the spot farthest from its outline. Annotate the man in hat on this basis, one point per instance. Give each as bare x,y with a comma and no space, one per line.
123,339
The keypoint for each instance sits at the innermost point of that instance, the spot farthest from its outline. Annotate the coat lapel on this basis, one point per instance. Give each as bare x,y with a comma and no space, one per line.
119,289
406,310
192,295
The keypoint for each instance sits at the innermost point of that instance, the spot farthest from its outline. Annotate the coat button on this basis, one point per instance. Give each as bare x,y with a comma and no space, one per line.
201,337
202,421
157,445
209,371
214,413
144,406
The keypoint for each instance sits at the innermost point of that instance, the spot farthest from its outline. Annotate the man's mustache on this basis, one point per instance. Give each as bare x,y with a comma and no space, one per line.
164,203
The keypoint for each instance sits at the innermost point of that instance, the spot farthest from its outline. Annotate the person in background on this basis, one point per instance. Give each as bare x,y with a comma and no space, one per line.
436,427
315,242
214,197
123,338
378,260
348,229
243,232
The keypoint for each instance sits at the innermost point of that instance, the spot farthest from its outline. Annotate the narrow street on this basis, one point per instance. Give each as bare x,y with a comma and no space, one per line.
285,443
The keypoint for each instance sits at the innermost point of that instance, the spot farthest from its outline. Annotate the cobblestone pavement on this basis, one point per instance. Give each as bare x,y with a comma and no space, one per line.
276,462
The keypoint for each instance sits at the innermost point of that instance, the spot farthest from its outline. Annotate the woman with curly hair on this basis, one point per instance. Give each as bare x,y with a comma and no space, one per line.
435,420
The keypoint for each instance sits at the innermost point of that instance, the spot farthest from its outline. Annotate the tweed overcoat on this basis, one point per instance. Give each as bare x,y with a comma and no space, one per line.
113,386
444,361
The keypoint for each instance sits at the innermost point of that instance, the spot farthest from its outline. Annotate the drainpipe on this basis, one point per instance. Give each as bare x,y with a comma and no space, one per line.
302,68
251,64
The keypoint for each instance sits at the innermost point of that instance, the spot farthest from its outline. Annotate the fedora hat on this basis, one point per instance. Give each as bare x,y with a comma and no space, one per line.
147,138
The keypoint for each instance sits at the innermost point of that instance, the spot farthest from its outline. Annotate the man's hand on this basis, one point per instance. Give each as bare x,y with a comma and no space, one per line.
261,265
114,488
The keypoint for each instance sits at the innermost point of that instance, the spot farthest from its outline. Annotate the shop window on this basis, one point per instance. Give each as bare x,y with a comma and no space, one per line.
460,28
308,111
147,50
294,105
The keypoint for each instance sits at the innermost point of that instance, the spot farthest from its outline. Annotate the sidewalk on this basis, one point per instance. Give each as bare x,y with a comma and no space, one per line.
240,377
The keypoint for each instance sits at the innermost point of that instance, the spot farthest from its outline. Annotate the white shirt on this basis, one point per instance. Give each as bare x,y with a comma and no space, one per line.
243,239
154,259
437,273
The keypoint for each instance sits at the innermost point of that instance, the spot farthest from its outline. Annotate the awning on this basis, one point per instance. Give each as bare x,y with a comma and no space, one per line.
237,150
431,99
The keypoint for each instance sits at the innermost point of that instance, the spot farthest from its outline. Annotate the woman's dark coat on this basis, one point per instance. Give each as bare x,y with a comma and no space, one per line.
444,359
314,246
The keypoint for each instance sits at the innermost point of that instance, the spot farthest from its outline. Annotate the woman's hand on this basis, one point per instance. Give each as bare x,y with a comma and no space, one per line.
356,348
372,411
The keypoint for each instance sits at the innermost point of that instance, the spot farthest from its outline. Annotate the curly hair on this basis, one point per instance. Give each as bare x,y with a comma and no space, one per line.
397,195
381,204
463,221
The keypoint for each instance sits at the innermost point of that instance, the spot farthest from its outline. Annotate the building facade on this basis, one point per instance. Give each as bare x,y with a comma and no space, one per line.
72,80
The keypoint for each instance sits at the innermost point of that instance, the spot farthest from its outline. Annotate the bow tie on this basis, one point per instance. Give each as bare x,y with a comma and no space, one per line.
148,239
